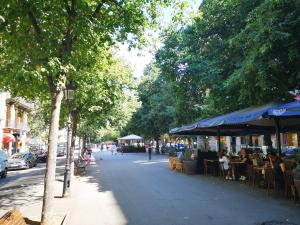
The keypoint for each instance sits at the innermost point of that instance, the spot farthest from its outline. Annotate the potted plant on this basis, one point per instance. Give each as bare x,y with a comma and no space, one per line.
189,164
296,173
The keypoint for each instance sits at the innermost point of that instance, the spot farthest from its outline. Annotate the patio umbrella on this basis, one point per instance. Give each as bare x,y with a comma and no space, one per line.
264,119
8,138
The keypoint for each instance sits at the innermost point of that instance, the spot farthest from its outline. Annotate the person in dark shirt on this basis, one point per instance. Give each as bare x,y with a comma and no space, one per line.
278,167
243,167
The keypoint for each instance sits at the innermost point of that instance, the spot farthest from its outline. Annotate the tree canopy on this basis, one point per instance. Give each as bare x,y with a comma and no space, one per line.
235,54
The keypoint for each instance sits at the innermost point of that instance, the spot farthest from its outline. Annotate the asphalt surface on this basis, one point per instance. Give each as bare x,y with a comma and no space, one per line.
130,190
148,193
25,186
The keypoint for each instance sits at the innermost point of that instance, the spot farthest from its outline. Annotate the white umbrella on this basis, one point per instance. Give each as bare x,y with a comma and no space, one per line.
131,137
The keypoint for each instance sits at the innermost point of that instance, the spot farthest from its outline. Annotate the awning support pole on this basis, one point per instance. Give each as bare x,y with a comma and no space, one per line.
277,129
219,140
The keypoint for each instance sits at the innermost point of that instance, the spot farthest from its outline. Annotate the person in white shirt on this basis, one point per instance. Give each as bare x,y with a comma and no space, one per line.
225,164
113,149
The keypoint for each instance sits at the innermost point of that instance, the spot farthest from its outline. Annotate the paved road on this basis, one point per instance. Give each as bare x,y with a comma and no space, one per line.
23,187
148,193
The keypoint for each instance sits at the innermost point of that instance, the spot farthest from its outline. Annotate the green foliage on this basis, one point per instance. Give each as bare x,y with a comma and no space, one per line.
38,121
156,113
235,54
187,156
172,151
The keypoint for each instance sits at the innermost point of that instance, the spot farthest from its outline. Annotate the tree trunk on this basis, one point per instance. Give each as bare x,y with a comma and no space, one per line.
73,138
157,145
49,180
83,145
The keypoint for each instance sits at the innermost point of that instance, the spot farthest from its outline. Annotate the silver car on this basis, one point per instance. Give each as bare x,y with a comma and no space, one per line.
21,161
3,164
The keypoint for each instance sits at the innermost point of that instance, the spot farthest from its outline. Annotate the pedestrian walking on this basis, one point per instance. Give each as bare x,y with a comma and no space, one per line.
149,152
113,149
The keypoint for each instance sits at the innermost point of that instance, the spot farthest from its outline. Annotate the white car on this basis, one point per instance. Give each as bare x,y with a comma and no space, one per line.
3,164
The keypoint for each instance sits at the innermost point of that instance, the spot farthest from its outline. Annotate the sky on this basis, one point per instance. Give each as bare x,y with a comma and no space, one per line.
139,58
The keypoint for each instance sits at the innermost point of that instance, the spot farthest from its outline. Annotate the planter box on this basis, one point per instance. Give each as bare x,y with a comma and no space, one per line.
190,167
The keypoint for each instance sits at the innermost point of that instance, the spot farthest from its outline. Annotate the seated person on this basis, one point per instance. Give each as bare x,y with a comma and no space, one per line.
256,160
180,156
225,161
278,167
243,167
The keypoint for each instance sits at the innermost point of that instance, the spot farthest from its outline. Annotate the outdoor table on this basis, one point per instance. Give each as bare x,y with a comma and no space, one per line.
212,160
259,169
213,166
234,166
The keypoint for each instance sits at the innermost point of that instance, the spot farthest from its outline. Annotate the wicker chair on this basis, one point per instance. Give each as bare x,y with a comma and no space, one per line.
250,175
221,169
271,182
289,187
179,166
253,176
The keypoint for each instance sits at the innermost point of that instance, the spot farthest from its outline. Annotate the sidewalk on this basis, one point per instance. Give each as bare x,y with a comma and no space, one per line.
81,207
30,202
90,204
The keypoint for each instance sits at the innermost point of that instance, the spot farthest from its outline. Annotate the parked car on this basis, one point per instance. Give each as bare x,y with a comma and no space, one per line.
61,148
41,156
22,161
3,164
291,152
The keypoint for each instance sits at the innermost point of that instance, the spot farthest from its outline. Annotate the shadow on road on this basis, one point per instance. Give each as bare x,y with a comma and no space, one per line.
149,193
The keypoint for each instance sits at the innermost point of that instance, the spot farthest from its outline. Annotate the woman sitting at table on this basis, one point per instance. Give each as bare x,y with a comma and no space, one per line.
278,167
243,167
225,162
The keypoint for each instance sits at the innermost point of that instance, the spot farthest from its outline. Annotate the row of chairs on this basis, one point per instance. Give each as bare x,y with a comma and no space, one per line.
255,177
268,179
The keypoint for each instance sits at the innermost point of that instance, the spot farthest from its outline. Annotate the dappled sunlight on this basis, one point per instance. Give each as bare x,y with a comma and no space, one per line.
147,162
93,199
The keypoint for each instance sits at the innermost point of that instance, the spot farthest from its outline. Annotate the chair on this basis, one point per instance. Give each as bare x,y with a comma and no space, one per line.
221,169
253,175
179,166
250,175
289,163
172,163
271,181
289,188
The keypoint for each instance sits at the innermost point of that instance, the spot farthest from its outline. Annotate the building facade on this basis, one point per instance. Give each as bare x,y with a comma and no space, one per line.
13,123
235,144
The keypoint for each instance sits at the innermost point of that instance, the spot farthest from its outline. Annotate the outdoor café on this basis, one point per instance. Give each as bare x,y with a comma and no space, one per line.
273,169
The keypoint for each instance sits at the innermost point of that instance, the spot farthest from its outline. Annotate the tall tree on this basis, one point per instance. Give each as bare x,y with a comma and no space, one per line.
155,116
269,60
43,42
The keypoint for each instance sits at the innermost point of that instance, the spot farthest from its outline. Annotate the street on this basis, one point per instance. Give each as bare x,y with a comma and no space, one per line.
128,189
25,187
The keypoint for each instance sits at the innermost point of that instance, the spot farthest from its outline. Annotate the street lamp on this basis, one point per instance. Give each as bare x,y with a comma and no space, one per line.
69,94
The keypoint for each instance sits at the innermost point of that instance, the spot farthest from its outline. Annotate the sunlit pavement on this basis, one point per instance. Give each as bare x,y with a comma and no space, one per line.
129,189
25,187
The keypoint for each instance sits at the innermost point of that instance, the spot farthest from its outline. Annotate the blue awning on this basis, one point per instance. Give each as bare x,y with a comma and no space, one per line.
291,109
253,120
238,117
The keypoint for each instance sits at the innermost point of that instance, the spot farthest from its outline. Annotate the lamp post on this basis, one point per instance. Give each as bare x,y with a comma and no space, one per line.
69,93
